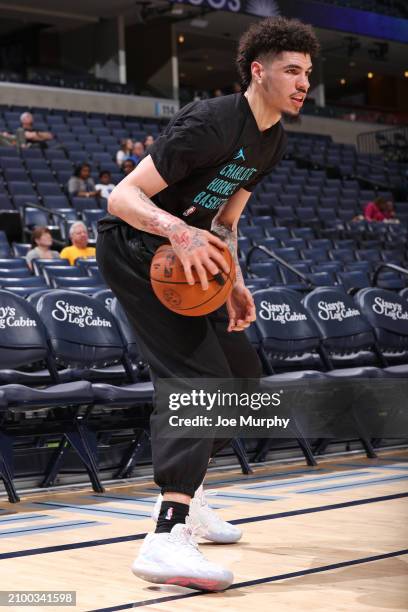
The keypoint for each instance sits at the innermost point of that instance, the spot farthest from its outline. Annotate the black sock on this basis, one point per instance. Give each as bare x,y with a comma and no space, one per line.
170,514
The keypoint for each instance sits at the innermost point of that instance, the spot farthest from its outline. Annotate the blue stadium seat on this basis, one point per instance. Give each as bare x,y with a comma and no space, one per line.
373,255
77,281
6,203
20,249
343,255
49,189
288,338
21,188
296,243
105,296
12,262
17,175
322,279
36,164
361,266
387,312
42,176
55,273
347,337
40,263
11,162
30,154
21,350
353,280
130,340
22,272
315,254
28,282
253,233
328,266
268,270
390,280
81,204
35,217
88,341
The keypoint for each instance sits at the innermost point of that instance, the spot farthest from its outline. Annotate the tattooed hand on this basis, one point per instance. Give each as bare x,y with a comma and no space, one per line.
198,249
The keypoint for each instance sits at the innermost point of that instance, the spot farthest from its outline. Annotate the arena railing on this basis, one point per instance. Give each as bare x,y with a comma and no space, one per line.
391,266
279,260
49,211
392,142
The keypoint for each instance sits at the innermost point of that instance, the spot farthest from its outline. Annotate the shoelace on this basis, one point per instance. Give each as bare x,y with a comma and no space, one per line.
204,503
186,537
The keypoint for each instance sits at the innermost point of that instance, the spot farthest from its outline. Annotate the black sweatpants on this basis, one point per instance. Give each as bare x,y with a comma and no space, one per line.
174,346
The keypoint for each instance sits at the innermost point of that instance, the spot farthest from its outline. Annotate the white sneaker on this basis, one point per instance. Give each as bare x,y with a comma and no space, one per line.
174,558
205,522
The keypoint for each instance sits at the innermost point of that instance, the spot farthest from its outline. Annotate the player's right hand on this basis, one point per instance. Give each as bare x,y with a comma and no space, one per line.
198,249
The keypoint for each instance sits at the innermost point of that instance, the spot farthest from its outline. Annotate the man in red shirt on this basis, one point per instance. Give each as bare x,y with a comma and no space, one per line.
379,210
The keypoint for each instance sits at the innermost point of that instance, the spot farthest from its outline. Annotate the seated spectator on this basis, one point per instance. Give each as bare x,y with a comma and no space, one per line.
28,135
148,141
7,139
82,184
41,241
128,166
379,210
126,147
105,185
78,234
137,152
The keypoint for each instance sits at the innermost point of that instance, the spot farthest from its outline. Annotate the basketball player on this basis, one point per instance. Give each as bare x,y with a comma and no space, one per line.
198,176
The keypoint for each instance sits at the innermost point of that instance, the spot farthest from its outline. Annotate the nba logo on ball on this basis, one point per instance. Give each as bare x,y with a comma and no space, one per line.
189,211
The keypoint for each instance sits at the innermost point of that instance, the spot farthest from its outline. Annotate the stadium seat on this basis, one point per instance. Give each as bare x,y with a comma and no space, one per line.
91,340
31,347
105,296
22,272
387,313
353,280
347,338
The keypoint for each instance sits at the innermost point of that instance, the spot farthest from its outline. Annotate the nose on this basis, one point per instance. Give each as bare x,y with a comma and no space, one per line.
302,83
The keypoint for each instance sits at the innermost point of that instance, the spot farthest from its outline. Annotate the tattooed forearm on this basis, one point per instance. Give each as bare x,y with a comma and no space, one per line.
229,236
138,210
153,219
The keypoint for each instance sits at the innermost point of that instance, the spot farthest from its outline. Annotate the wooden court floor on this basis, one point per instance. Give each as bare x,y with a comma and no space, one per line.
333,537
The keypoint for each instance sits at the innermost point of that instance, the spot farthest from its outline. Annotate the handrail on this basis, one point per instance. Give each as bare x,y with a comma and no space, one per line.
49,211
388,265
281,261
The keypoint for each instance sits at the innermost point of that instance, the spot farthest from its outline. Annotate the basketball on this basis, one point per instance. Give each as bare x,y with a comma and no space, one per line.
171,288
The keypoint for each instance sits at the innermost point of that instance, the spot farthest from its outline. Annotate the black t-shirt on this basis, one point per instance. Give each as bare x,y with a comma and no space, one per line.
208,151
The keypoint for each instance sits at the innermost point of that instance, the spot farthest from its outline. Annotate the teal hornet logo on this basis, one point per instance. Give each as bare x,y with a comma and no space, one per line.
240,154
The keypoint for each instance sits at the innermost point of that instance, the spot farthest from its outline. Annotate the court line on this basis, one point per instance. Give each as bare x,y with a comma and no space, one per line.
252,519
249,478
24,517
97,511
245,497
256,581
351,485
300,481
47,528
137,501
382,467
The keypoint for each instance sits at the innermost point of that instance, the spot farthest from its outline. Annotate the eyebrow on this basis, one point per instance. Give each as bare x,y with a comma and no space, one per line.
299,67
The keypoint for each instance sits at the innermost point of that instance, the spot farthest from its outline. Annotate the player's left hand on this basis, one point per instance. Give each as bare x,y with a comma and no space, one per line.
241,308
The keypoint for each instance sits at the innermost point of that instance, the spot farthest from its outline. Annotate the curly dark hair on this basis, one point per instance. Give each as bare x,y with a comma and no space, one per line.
270,37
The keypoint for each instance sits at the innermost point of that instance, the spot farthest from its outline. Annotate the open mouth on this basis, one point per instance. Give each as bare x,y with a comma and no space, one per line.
298,100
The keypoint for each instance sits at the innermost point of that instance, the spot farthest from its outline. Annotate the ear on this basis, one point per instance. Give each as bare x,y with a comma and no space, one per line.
256,70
